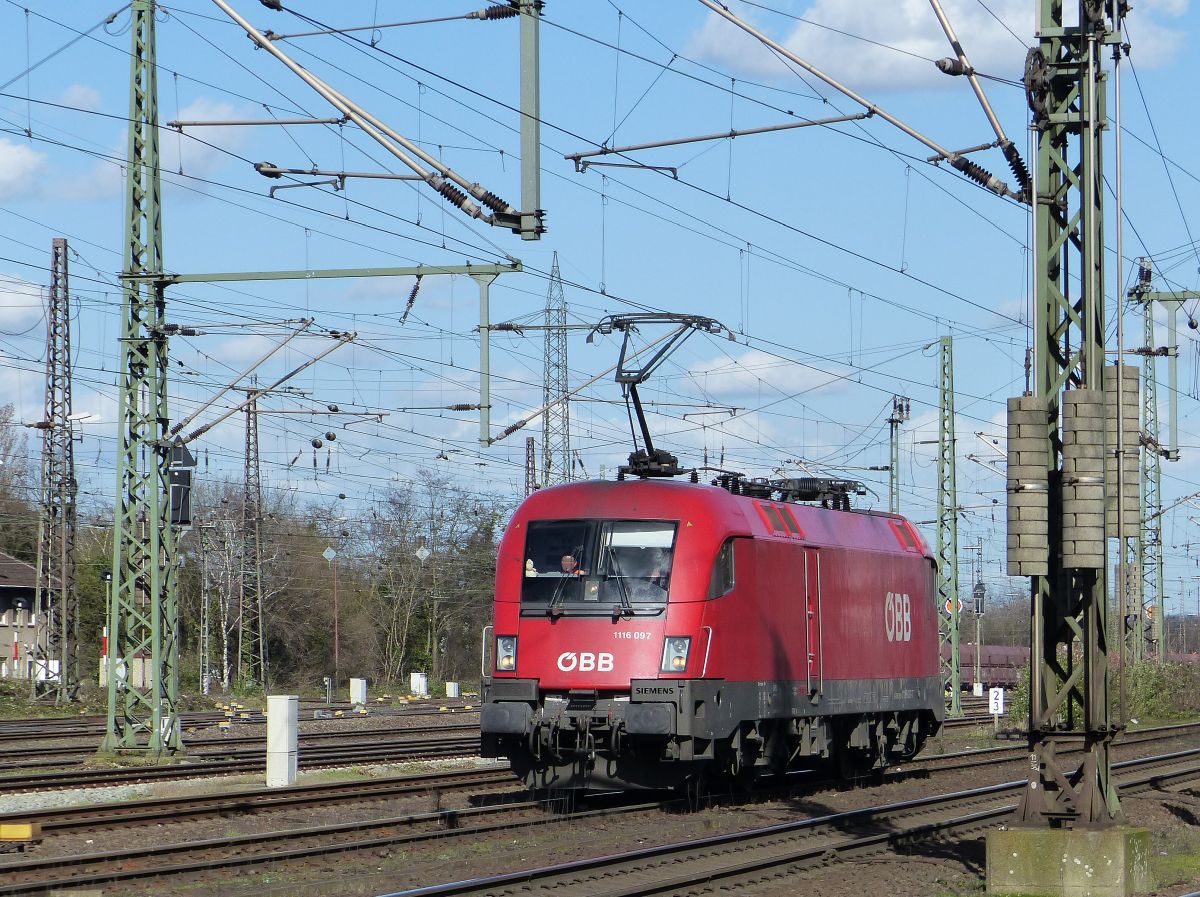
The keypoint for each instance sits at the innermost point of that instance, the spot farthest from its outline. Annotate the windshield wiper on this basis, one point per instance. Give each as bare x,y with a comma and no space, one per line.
553,609
626,604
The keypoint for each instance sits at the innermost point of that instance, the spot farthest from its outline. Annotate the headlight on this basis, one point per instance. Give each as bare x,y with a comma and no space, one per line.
675,653
506,653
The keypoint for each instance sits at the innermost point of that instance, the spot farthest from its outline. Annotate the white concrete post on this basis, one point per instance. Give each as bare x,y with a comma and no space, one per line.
283,715
358,692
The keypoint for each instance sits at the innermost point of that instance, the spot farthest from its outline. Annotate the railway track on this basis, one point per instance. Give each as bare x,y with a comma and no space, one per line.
723,863
220,746
52,728
1005,754
158,810
342,755
305,843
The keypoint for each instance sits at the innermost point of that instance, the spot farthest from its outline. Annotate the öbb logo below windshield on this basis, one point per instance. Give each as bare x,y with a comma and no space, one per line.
585,662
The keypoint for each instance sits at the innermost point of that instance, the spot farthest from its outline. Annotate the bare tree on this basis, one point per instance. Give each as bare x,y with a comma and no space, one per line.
18,492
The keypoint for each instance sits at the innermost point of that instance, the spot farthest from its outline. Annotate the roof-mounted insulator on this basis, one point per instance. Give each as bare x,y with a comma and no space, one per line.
493,13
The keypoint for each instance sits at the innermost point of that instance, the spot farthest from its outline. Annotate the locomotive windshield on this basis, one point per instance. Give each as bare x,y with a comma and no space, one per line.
609,564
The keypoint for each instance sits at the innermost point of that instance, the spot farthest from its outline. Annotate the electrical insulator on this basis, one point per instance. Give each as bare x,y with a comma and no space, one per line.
492,13
332,408
452,194
317,443
1145,272
331,436
952,67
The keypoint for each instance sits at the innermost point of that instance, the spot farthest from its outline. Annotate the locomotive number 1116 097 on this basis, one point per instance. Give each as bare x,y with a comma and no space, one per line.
632,635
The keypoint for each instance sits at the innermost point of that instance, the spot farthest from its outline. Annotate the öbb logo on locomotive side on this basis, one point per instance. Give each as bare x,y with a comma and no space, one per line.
897,617
585,662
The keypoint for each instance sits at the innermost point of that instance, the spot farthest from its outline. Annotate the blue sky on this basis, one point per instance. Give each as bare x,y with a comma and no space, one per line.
837,255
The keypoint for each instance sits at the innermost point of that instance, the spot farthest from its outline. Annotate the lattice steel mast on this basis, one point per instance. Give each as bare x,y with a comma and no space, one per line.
252,658
1150,642
1154,636
55,602
947,534
900,413
531,483
143,682
1056,472
556,421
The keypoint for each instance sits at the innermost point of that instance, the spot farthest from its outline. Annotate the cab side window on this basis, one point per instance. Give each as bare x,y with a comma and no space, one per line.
723,574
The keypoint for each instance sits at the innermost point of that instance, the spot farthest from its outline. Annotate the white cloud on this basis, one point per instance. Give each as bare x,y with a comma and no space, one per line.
21,304
106,179
910,27
755,374
199,158
81,96
241,349
1166,7
20,167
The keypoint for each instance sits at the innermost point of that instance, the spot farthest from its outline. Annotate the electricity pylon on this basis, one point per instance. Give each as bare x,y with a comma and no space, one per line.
143,670
556,420
55,604
947,535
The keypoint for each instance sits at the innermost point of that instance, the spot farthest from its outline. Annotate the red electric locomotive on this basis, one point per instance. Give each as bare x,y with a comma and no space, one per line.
648,632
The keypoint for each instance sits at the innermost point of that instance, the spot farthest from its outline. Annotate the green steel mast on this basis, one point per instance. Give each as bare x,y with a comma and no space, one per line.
1149,639
1153,636
1057,472
947,535
143,667
900,413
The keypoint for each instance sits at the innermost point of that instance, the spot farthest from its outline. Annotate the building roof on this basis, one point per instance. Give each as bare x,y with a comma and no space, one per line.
15,574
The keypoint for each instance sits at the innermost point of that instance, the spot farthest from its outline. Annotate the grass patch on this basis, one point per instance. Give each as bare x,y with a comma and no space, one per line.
1176,856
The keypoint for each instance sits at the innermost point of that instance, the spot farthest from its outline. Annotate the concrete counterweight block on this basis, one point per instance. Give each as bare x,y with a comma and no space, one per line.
1130,472
358,692
1028,487
1083,479
283,717
1054,862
